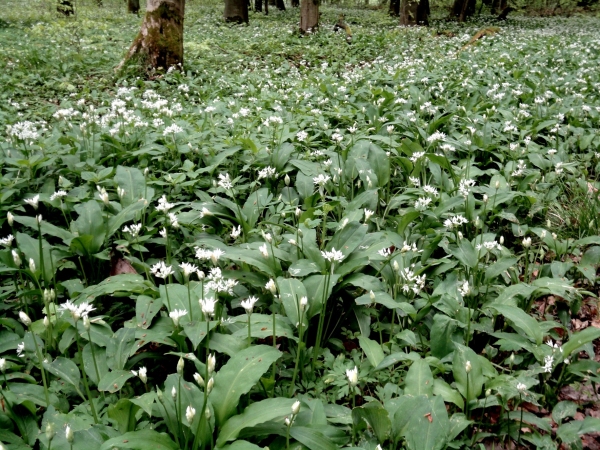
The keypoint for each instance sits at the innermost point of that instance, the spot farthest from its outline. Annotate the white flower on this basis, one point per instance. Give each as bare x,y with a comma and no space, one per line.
352,375
267,172
173,392
133,229
180,366
164,205
10,219
209,385
455,221
235,232
548,361
337,137
172,129
163,232
173,220
527,242
521,387
7,241
248,304
368,214
333,255
34,201
301,135
176,314
103,195
2,364
161,270
224,181
190,412
69,434
437,136
31,265
468,366
303,302
264,251
77,311
188,269
58,194
464,289
142,373
321,180
208,306
20,349
23,317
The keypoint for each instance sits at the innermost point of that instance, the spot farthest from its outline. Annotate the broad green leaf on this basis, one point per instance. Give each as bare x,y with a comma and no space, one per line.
64,369
141,440
348,238
311,438
145,401
317,289
145,310
422,421
119,348
100,362
291,291
469,383
124,285
441,335
30,248
419,379
499,267
376,416
114,381
46,227
90,223
133,182
123,413
303,267
241,445
256,413
465,253
238,376
226,343
579,339
372,349
522,321
196,331
125,215
450,395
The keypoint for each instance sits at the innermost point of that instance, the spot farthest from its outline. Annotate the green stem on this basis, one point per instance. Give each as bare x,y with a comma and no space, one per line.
317,348
189,301
85,380
39,355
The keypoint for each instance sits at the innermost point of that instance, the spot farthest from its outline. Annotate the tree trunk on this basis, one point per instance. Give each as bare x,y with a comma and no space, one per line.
258,5
498,6
462,9
65,7
309,16
133,6
414,13
394,8
280,4
160,40
236,11
295,3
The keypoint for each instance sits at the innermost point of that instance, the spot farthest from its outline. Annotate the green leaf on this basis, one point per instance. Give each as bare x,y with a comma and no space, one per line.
376,416
291,291
241,445
443,389
578,340
64,369
114,381
348,238
196,331
422,421
119,348
133,182
419,379
256,413
123,413
570,432
469,384
316,286
88,362
46,227
238,376
141,440
90,223
499,267
372,349
313,439
521,320
441,335
303,267
125,215
465,253
146,308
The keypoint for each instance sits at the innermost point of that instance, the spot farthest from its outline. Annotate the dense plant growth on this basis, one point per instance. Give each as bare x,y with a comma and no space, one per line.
299,243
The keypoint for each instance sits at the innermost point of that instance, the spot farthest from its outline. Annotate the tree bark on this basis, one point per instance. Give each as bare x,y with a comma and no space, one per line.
280,4
65,7
258,5
462,9
295,3
160,40
309,16
414,13
394,8
133,6
236,11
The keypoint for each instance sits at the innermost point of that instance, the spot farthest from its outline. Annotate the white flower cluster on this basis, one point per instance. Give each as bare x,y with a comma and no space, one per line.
455,221
411,282
204,254
217,283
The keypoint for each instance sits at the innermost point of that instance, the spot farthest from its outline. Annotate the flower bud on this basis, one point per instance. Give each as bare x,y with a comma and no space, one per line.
198,379
23,317
38,219
190,412
46,322
303,303
86,323
501,240
207,413
296,407
16,258
10,218
173,392
210,385
211,363
468,366
159,394
69,434
31,265
180,365
287,180
372,295
50,431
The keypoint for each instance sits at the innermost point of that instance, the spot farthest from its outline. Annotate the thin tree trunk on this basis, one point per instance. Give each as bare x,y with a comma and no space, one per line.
133,6
309,16
394,8
295,3
236,11
258,5
414,13
160,40
280,5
